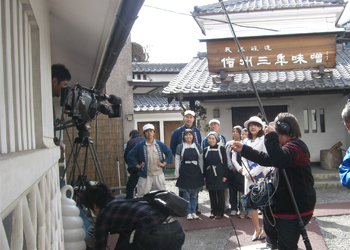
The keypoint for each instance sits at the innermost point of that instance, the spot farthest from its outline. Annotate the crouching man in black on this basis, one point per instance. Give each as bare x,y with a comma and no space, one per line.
139,225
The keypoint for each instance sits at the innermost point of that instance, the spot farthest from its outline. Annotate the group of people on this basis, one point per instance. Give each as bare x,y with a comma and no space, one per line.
229,169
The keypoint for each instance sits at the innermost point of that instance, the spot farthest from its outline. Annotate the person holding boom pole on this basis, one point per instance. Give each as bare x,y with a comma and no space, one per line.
285,150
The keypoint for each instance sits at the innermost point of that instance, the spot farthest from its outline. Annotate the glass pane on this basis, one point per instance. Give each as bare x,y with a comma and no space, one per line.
313,121
322,121
306,121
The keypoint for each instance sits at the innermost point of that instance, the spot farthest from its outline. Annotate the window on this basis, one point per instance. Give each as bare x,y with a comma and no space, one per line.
306,121
313,120
322,121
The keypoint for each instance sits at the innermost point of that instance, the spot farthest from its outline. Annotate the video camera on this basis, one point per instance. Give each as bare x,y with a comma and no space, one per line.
83,103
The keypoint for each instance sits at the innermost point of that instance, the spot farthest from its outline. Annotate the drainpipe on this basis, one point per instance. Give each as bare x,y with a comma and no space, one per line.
127,16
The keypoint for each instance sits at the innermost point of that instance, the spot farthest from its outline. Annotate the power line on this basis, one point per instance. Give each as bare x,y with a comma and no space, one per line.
207,19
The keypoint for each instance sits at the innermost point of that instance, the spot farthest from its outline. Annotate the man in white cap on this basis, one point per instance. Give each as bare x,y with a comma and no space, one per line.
148,156
176,137
214,126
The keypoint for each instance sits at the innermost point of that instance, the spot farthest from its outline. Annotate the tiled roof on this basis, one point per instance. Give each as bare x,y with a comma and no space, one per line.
194,79
250,5
145,67
156,102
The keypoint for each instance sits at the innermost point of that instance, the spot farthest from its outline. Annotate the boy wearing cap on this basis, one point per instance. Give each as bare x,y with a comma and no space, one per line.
148,156
214,126
176,137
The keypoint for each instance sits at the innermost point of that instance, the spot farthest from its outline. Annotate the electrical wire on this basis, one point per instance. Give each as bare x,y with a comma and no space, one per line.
207,19
245,62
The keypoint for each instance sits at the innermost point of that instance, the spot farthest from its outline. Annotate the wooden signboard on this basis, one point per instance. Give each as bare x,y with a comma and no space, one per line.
272,53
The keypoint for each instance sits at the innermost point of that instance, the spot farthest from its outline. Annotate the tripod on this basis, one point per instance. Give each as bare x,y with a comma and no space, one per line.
82,141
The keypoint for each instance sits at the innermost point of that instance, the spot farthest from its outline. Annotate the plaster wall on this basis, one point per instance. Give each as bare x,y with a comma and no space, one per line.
161,77
270,21
20,168
118,85
332,104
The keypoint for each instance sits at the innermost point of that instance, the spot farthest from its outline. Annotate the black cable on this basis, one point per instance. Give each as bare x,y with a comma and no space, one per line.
234,229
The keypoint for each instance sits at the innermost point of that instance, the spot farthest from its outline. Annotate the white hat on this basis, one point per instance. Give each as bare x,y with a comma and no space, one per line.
217,137
189,112
238,127
214,120
254,119
148,126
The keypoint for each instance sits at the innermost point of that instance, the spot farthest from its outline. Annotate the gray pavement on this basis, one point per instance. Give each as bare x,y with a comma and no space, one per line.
327,232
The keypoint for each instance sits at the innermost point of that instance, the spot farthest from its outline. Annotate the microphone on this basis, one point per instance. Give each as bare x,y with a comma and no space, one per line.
115,100
104,109
112,99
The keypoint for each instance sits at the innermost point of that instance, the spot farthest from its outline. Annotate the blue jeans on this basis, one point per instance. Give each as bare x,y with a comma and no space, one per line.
191,195
286,232
169,236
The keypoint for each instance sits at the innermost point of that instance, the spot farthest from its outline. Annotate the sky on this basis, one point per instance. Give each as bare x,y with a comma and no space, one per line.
169,37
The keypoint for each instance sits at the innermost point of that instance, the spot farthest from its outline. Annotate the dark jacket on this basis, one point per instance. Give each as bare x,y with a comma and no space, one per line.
214,177
176,137
139,154
136,138
294,157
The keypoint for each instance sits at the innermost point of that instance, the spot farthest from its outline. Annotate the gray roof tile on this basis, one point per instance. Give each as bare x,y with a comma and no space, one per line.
195,79
249,5
155,102
145,67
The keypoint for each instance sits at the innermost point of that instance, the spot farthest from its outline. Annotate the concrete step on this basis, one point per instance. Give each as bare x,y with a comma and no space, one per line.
325,177
327,183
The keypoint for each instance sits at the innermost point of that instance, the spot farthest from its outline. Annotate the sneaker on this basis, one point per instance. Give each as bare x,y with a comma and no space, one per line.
189,217
272,246
194,216
233,213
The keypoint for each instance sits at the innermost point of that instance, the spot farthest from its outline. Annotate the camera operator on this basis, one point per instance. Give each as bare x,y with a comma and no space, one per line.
285,150
139,225
59,79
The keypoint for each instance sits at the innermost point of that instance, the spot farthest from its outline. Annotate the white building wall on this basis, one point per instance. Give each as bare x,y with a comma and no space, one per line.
333,104
28,156
118,85
272,21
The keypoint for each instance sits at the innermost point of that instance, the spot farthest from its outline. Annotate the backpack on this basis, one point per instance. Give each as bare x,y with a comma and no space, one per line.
165,201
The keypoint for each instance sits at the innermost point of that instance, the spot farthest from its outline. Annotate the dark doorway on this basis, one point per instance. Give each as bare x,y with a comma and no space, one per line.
242,114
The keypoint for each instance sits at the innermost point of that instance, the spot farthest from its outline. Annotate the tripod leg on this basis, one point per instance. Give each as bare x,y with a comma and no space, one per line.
75,162
65,170
97,163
